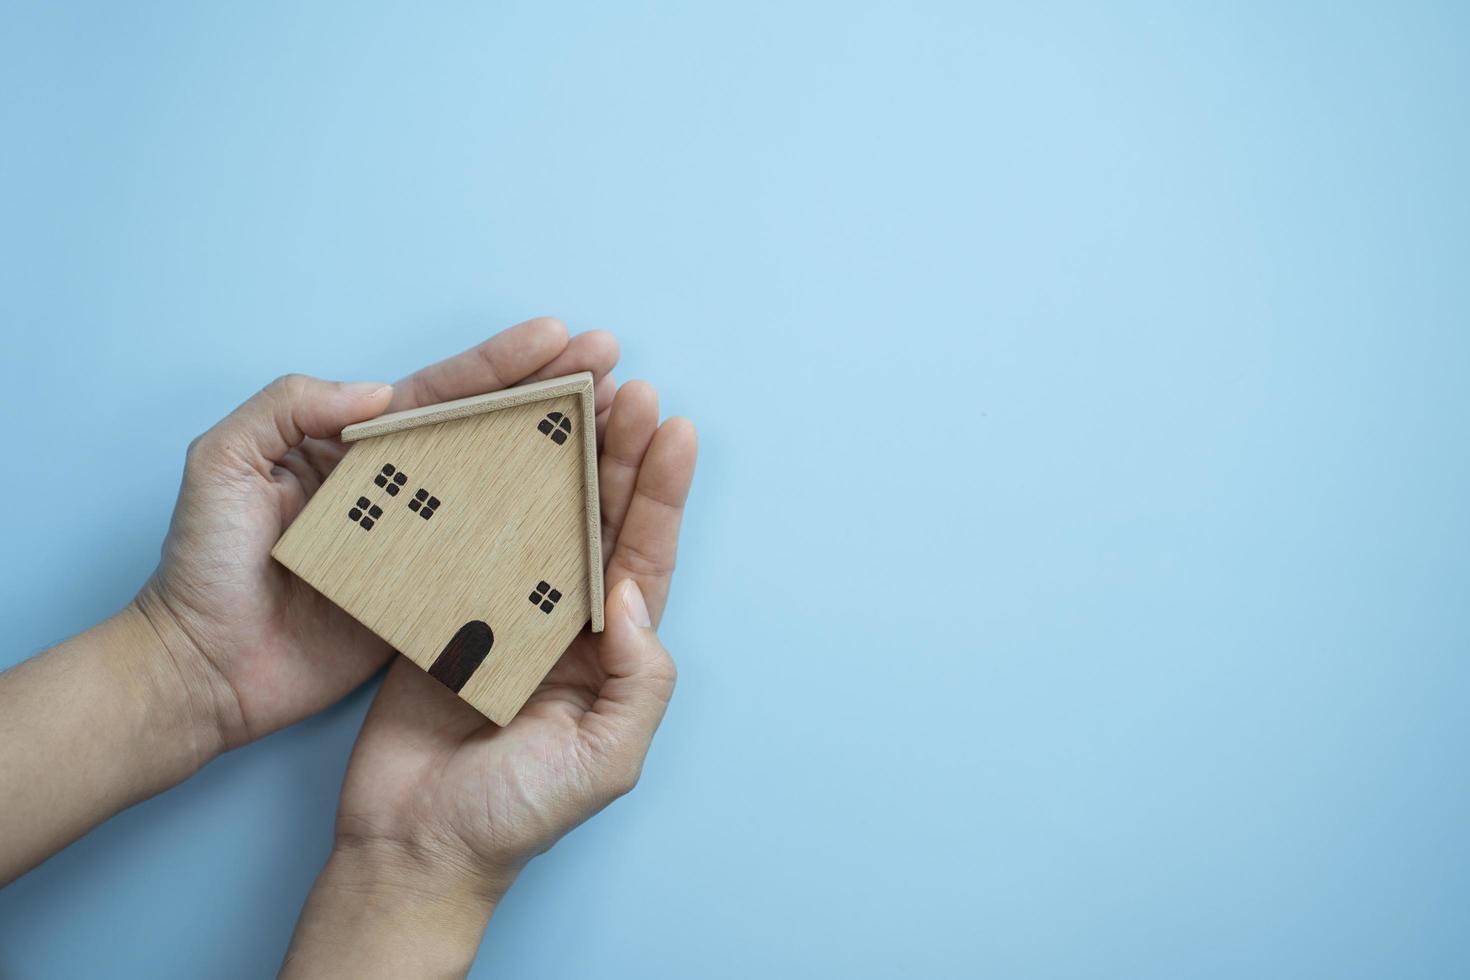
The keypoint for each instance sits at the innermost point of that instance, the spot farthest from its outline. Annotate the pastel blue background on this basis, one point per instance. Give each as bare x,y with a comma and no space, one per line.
1075,581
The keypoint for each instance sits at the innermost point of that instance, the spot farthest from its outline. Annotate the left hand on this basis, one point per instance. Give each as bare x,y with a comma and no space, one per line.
255,647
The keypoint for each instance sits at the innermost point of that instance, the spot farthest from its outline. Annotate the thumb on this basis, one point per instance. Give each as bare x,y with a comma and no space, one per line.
292,408
640,672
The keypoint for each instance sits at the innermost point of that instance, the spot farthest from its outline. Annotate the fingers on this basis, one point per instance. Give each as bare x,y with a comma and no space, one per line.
289,410
603,394
505,359
640,680
535,349
631,423
649,539
595,351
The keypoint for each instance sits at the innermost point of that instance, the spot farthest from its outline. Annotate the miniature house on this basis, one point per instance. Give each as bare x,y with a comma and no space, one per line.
467,535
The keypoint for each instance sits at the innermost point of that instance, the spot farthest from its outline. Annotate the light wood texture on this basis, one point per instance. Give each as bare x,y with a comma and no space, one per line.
581,385
513,512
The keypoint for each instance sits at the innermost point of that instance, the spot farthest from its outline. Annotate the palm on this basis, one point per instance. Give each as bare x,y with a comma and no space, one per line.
284,649
429,764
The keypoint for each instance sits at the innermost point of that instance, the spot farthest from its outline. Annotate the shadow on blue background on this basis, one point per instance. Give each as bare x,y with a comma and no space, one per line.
1075,578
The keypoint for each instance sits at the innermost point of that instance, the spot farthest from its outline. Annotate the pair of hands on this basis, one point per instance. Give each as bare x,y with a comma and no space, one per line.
431,783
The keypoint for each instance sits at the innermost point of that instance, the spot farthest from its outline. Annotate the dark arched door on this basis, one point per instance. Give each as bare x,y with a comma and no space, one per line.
462,655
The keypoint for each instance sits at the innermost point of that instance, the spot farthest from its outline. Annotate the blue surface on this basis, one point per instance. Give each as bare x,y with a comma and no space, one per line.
1075,582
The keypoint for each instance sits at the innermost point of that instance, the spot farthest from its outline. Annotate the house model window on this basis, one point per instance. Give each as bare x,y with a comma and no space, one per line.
423,503
390,479
557,426
545,597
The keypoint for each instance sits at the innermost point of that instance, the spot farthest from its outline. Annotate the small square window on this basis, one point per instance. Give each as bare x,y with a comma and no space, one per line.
364,515
390,478
544,597
556,427
423,503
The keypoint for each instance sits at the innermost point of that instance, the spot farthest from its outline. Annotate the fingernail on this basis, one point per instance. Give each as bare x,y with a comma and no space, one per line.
636,608
366,389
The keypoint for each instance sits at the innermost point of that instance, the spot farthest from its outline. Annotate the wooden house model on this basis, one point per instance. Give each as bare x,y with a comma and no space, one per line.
467,535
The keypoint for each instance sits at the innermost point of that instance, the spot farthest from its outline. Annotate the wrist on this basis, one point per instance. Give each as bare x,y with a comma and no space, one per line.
380,908
95,724
423,869
192,689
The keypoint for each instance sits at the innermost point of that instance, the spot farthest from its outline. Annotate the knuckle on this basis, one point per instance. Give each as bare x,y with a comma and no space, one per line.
198,451
626,780
287,385
426,390
639,562
664,677
490,358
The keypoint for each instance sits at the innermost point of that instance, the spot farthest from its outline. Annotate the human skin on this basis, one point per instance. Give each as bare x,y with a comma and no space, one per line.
223,645
441,808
